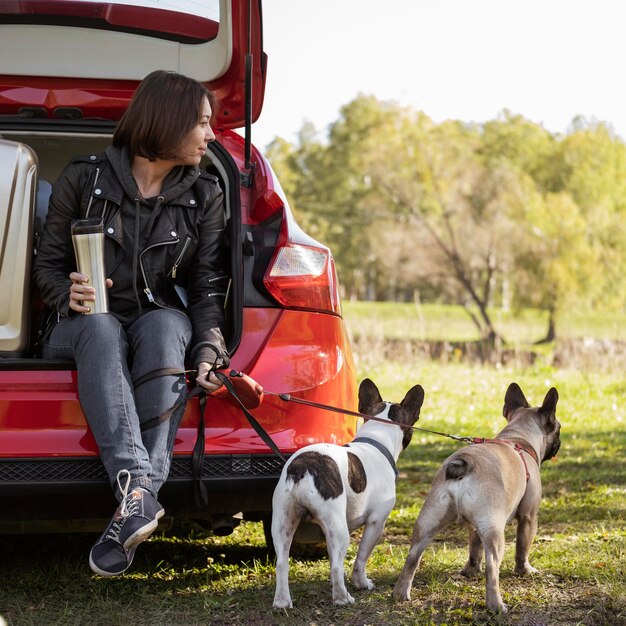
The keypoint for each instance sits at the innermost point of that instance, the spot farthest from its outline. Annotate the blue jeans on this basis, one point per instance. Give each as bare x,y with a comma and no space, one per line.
108,359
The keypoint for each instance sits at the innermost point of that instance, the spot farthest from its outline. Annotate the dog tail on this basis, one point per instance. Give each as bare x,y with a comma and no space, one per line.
458,468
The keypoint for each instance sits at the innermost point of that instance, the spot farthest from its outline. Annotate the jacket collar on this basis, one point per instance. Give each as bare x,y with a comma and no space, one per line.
108,185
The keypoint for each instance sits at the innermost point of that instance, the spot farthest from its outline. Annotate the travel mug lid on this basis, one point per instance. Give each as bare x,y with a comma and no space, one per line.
88,226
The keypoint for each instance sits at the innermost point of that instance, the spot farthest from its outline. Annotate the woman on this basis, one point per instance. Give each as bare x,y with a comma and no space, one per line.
164,224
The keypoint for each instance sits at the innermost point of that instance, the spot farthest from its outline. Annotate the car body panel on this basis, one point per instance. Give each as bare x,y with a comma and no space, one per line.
40,412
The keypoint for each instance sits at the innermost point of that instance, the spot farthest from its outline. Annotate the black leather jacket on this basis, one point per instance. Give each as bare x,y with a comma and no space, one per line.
181,245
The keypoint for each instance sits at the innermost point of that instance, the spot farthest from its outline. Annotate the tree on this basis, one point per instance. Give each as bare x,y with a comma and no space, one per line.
574,248
556,261
459,208
457,211
595,162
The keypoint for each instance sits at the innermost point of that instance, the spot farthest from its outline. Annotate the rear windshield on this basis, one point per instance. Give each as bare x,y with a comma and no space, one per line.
187,21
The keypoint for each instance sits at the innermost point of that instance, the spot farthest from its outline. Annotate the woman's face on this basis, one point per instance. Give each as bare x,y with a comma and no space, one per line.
194,145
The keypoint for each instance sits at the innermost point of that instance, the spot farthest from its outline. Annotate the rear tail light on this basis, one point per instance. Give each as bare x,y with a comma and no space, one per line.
303,277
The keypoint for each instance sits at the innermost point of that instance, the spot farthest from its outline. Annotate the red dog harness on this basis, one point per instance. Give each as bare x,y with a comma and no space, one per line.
519,445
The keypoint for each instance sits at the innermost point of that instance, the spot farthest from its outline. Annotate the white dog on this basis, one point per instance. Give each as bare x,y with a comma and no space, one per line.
342,488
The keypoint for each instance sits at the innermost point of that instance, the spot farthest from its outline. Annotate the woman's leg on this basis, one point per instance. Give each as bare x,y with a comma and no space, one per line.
159,339
99,345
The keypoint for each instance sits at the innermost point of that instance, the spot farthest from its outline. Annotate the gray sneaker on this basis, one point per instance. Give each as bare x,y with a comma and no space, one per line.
108,557
135,519
141,511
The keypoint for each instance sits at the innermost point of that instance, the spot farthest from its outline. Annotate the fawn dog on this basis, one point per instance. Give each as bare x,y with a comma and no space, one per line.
486,486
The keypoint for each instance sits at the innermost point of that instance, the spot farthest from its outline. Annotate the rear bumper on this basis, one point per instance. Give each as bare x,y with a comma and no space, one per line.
61,489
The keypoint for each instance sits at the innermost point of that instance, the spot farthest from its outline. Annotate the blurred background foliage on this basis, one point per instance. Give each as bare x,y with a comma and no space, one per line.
498,216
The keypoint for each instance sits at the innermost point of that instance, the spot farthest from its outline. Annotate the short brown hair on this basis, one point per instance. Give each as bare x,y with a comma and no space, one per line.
164,108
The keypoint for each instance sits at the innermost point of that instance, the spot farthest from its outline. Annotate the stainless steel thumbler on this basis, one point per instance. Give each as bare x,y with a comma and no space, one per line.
88,239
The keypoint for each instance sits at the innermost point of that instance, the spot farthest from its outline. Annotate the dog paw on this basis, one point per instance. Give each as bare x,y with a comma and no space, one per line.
343,600
283,604
526,569
401,595
363,583
469,572
498,607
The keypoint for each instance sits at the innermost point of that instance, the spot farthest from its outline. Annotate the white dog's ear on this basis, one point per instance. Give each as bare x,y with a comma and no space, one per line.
369,396
514,399
413,401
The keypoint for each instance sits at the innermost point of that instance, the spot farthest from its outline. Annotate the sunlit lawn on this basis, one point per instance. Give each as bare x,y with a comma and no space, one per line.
189,577
451,323
195,578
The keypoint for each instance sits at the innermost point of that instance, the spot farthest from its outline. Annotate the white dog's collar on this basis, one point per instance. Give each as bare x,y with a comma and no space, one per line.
379,446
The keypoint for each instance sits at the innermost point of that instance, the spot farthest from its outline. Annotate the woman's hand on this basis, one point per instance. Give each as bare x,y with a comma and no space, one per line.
207,378
80,292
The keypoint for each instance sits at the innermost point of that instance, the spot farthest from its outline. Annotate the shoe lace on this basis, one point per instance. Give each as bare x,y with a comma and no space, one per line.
113,532
124,511
128,505
132,505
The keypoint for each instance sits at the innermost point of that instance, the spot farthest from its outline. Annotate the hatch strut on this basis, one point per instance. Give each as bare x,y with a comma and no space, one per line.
248,102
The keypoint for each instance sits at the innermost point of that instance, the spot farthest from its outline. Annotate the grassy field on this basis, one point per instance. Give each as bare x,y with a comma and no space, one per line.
430,322
195,578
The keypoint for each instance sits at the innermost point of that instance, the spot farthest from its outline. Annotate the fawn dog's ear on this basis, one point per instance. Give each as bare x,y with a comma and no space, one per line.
549,403
514,399
369,396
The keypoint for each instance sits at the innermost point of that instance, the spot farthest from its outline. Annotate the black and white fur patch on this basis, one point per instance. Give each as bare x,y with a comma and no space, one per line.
322,468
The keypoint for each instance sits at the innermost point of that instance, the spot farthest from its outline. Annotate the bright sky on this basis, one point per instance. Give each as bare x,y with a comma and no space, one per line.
548,60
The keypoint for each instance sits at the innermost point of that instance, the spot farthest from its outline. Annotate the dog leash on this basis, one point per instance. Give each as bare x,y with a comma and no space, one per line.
198,454
289,398
519,445
201,496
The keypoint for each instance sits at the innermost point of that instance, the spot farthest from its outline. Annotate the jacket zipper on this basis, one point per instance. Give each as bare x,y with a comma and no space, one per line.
226,293
218,277
172,272
219,293
95,181
147,290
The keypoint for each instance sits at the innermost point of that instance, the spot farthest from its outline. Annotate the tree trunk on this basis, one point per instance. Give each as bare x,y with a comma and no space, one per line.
551,332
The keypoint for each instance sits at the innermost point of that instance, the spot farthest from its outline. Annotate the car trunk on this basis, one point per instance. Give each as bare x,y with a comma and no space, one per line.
39,151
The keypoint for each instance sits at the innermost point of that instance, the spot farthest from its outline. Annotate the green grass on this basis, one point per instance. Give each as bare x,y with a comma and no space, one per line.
435,322
194,578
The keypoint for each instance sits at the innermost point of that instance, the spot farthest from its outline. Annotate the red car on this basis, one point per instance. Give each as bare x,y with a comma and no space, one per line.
67,71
